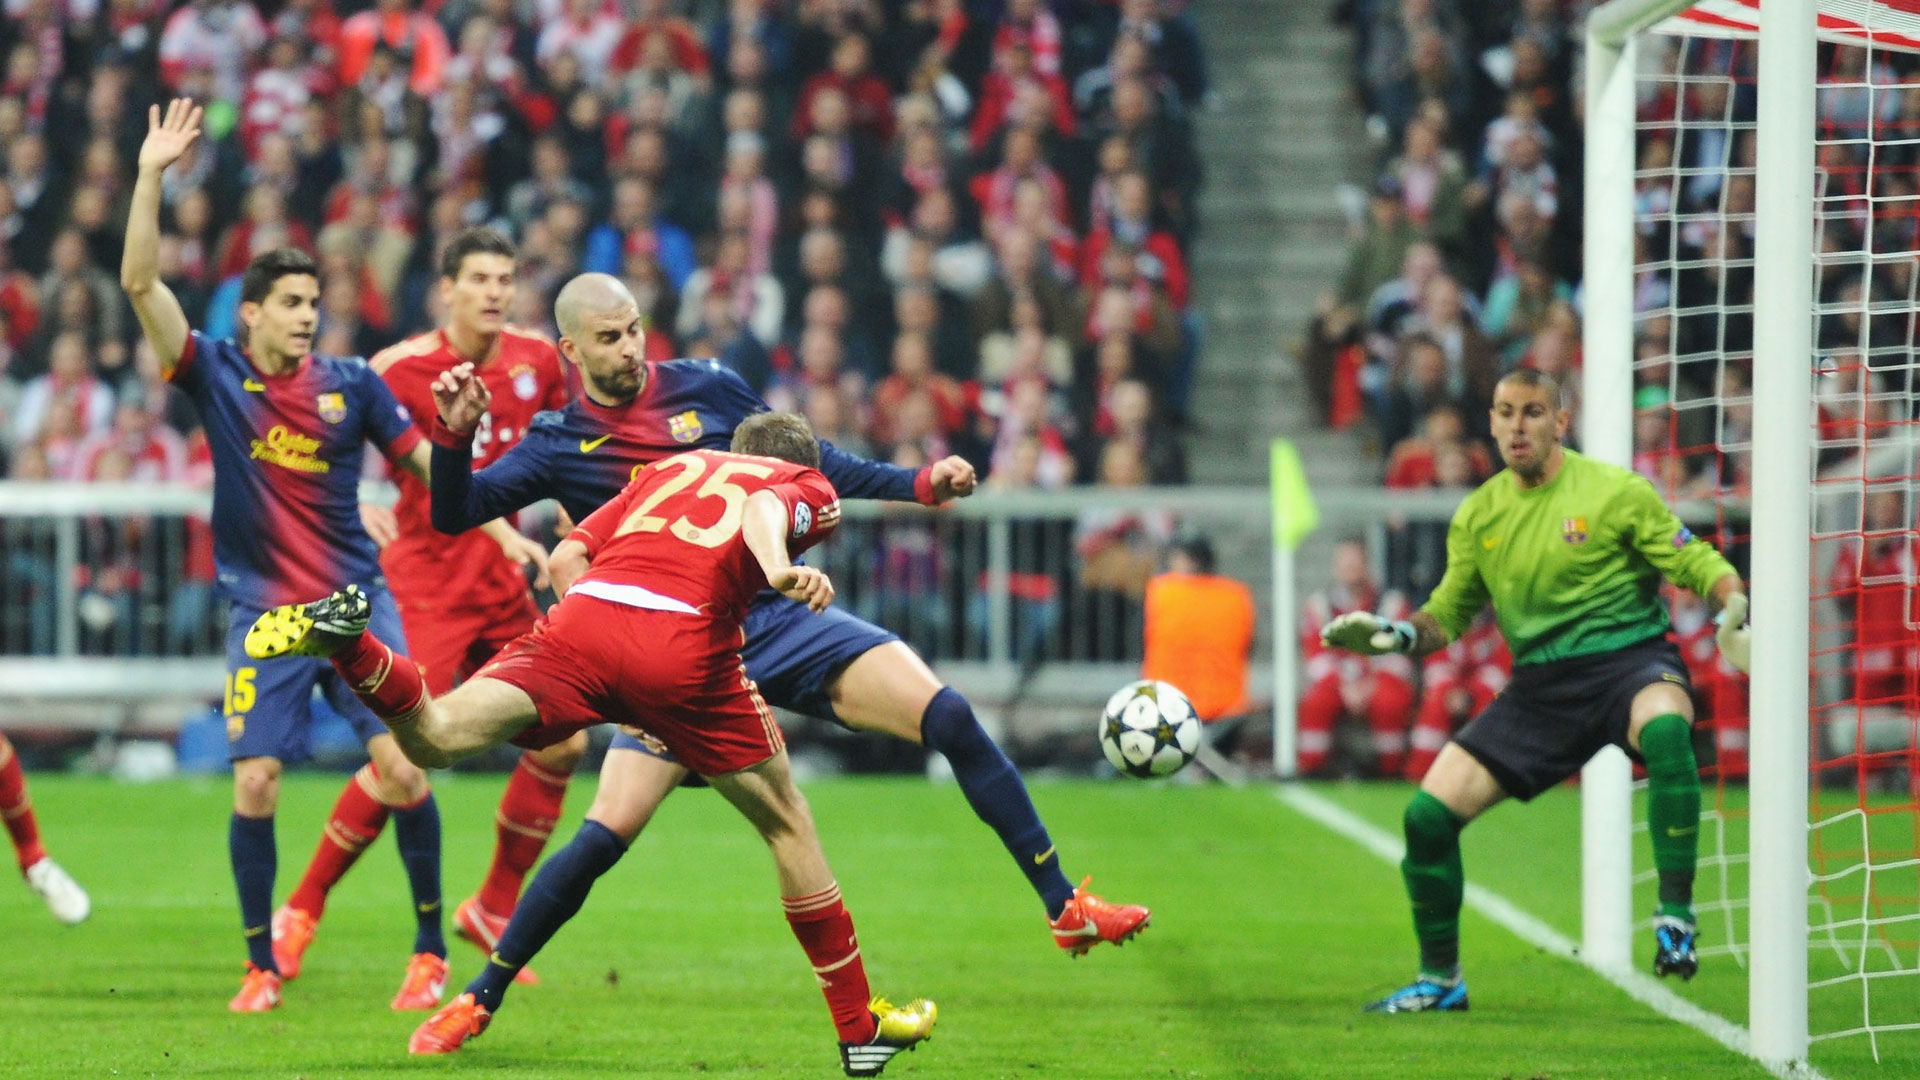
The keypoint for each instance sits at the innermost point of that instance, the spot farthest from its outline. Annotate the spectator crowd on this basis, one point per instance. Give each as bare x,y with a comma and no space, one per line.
1464,263
933,226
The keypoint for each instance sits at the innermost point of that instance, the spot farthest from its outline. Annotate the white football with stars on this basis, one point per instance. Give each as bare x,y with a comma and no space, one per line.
1149,729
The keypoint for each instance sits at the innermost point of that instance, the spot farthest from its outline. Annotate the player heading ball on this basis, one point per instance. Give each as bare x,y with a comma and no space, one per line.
655,588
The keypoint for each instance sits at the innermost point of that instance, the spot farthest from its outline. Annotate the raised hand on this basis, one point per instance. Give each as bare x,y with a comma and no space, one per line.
461,397
168,137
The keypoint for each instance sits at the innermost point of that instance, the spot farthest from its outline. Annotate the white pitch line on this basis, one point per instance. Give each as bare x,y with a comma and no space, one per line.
1638,984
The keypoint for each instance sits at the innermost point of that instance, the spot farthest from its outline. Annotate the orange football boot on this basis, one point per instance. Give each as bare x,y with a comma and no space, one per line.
293,931
483,928
1088,920
425,984
259,992
450,1028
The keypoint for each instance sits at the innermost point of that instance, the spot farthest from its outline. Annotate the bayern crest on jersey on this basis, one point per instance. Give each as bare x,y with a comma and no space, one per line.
333,407
525,383
684,428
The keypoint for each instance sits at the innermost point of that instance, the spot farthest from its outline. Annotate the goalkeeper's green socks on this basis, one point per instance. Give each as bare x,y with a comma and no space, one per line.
1435,883
1673,809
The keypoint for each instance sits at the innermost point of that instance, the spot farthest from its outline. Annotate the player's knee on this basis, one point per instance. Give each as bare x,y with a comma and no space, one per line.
625,817
256,786
1666,742
783,813
1432,829
402,783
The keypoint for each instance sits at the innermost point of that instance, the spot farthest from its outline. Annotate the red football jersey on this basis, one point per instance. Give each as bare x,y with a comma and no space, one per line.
428,569
675,530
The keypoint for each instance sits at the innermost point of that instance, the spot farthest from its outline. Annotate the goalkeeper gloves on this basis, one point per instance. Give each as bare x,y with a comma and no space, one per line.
1734,636
1368,634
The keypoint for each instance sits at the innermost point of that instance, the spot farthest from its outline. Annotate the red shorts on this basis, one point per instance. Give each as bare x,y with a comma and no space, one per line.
678,676
450,645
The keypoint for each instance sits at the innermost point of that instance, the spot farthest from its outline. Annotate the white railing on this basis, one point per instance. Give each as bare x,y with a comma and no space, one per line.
992,589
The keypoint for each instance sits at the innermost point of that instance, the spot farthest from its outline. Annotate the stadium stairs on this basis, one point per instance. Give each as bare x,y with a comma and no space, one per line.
1278,140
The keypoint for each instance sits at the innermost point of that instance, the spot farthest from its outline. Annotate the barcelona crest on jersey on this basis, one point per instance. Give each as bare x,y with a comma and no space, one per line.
684,428
333,407
1573,530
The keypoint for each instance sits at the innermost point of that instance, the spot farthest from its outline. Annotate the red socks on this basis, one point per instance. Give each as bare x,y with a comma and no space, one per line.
358,816
528,811
390,684
825,931
17,810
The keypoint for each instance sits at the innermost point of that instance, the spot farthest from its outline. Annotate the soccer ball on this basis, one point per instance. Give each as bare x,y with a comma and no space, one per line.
1149,729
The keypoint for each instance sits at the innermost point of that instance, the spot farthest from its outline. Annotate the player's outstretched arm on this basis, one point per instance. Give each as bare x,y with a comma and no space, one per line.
855,477
519,549
158,309
764,529
1368,634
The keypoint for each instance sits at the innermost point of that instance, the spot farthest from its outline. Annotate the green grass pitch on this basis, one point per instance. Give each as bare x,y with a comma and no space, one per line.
1268,933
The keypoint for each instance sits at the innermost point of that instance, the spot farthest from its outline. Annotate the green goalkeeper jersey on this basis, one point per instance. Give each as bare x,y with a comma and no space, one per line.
1573,566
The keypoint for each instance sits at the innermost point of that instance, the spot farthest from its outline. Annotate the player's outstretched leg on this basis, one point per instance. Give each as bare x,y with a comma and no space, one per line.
481,714
62,895
1435,884
884,690
317,628
1673,826
1079,920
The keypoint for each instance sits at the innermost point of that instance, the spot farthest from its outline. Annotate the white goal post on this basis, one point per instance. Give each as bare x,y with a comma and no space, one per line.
1781,507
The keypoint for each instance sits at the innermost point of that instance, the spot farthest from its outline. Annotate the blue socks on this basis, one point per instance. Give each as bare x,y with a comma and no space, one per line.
995,791
250,847
552,897
417,830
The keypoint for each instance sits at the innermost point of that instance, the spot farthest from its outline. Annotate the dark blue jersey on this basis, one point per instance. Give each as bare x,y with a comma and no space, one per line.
583,455
286,468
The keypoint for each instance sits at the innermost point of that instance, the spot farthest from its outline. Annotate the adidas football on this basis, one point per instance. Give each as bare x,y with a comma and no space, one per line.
1149,729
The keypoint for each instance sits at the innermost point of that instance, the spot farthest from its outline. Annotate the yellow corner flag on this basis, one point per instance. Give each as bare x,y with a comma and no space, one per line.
1294,514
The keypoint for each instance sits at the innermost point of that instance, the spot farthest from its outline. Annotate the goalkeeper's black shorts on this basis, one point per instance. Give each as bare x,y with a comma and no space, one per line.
1552,717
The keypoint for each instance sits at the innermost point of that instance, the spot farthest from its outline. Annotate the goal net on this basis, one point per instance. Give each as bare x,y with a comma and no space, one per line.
1696,126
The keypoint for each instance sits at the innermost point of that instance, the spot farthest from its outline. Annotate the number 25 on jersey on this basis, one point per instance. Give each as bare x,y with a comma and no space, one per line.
688,470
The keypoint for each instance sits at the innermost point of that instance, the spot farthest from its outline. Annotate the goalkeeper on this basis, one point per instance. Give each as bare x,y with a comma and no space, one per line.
1570,552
